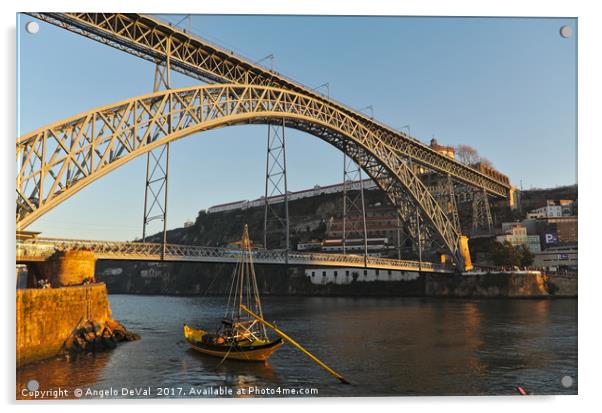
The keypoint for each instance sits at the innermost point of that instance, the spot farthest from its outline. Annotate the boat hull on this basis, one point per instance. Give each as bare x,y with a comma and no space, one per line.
247,352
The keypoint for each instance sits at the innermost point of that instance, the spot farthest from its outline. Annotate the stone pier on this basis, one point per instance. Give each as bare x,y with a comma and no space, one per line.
64,268
47,317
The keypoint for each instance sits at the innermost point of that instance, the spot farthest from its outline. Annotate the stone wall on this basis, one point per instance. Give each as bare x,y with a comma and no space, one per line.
518,284
562,285
47,317
67,268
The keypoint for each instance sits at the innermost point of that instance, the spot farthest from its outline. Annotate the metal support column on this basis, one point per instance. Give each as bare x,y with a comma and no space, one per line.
398,238
354,209
453,207
481,212
276,218
419,234
157,165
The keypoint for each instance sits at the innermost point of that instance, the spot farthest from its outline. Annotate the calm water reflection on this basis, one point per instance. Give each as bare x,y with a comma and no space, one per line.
384,346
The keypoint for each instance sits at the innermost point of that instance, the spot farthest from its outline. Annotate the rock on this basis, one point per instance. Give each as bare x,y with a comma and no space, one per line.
119,335
93,337
129,336
109,343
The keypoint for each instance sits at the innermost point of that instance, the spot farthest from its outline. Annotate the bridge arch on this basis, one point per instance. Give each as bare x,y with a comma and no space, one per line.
56,161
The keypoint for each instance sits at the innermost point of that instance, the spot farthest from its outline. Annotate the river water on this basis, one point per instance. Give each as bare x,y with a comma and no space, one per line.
383,346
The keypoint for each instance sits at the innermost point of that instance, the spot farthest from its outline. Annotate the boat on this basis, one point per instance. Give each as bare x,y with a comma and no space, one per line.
239,336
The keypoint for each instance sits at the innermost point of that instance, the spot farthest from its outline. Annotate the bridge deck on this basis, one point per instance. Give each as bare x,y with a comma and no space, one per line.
41,248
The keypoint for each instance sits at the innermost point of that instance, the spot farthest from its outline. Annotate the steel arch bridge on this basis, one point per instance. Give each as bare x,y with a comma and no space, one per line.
150,39
58,160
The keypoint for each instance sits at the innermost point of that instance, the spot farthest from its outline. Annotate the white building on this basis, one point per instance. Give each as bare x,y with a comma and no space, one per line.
348,275
551,210
317,190
516,235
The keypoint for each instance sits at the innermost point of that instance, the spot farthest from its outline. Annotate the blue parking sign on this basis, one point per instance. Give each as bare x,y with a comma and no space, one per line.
551,238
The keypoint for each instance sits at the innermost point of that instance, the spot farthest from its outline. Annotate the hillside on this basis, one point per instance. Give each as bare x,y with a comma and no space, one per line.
308,221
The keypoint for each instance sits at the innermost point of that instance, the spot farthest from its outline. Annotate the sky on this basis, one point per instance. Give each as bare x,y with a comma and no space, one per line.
506,86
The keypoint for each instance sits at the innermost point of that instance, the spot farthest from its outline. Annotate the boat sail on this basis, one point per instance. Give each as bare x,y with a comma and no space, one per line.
240,336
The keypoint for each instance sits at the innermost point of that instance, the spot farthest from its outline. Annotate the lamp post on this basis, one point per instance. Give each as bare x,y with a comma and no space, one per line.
324,85
270,57
186,17
370,108
408,128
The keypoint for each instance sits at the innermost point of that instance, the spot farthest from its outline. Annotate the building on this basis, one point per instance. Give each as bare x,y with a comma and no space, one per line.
552,209
375,246
516,234
381,221
445,150
348,275
557,258
566,228
569,207
317,190
489,170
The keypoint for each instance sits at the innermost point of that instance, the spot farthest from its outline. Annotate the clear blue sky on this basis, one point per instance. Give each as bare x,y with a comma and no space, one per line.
506,86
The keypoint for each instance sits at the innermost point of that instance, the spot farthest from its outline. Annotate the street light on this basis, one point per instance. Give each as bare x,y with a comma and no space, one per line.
325,85
408,128
189,17
270,57
370,108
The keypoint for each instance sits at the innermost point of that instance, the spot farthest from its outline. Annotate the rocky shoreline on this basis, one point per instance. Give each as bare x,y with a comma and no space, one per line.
92,337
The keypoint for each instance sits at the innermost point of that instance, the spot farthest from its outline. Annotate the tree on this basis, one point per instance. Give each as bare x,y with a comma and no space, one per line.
526,256
504,254
469,155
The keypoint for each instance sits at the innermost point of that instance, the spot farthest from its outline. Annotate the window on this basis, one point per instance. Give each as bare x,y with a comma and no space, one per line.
377,272
323,273
313,273
335,273
365,272
347,273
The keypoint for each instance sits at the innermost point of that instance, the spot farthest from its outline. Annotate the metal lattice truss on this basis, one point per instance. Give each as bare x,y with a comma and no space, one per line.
157,169
482,220
56,161
155,41
354,211
42,248
445,194
276,223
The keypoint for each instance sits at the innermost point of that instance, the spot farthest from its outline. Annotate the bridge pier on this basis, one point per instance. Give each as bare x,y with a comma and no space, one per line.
63,269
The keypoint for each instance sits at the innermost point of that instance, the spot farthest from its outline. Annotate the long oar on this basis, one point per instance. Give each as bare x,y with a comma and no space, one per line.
294,343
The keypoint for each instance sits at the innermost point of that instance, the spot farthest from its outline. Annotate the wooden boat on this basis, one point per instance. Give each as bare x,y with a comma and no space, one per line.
240,337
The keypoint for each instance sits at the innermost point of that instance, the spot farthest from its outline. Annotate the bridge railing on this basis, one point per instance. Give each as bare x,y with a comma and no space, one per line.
41,247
